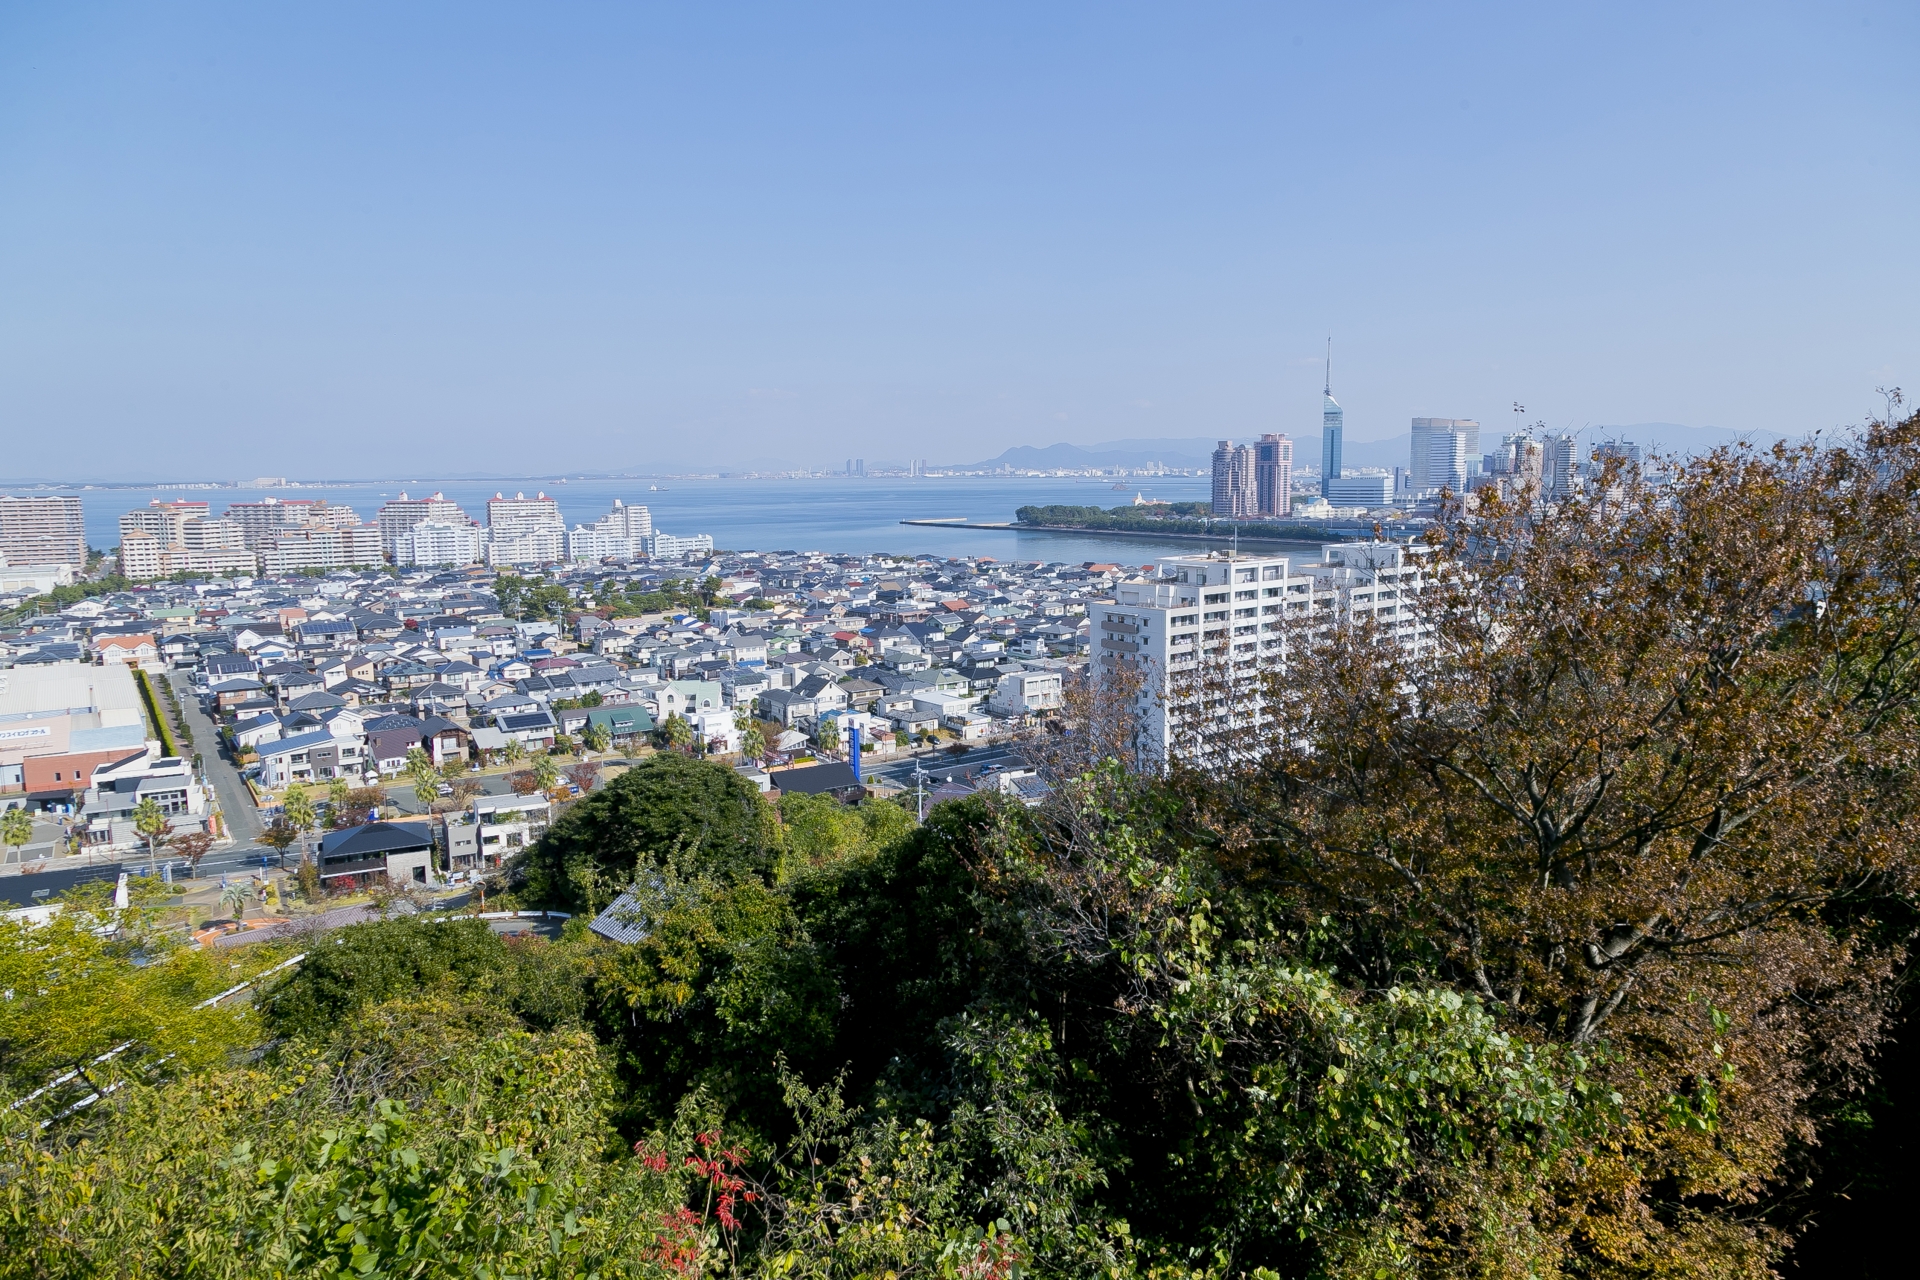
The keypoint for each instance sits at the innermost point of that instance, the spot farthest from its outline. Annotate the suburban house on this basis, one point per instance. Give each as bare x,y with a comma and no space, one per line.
316,756
130,649
494,829
402,852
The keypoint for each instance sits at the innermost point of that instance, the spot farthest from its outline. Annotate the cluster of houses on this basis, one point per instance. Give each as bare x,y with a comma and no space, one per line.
342,676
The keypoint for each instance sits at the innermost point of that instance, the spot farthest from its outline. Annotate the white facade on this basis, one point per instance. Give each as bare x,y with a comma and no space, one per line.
665,546
405,513
1231,616
1360,491
435,542
523,530
1025,692
1447,460
313,547
164,538
621,534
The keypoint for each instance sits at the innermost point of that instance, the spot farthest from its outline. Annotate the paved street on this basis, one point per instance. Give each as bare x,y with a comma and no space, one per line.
236,803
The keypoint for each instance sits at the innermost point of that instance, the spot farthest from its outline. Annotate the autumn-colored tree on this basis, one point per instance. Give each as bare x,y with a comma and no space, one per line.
193,846
1638,790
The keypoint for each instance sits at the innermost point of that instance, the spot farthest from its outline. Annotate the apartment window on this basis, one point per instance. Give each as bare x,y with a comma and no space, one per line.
1218,615
1245,575
1243,613
1217,597
1272,572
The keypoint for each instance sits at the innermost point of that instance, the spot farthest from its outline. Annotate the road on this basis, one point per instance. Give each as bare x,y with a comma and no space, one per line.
236,802
940,767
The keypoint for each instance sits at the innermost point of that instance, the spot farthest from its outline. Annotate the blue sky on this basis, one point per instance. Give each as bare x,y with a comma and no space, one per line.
360,239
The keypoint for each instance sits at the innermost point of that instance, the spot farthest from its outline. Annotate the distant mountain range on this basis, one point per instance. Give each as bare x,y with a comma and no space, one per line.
1197,451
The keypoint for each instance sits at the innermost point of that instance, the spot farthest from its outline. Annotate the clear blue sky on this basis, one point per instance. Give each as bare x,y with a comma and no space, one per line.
372,239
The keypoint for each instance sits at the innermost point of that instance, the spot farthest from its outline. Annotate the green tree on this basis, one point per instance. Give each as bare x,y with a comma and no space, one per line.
676,731
827,733
513,752
595,738
546,774
628,824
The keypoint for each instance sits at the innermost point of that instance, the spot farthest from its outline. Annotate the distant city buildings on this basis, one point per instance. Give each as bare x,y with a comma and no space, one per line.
1235,491
1273,475
42,530
1447,461
1422,450
1368,490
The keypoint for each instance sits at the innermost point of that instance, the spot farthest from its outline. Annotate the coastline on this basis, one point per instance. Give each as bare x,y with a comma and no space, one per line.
1332,535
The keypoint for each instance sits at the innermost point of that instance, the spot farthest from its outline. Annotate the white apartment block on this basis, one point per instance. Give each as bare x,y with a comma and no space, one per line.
523,530
321,548
165,538
665,546
1228,618
403,513
261,522
621,534
437,542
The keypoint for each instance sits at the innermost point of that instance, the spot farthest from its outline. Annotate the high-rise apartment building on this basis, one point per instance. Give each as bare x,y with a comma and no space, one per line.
261,522
1235,495
1447,461
621,534
437,542
1197,635
402,513
1423,428
523,530
165,538
42,531
322,547
1273,475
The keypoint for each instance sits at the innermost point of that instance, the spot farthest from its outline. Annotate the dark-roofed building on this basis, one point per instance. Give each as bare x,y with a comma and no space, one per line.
400,851
834,778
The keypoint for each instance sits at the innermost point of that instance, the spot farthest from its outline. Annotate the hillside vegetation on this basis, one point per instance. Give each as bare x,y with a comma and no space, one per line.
1556,949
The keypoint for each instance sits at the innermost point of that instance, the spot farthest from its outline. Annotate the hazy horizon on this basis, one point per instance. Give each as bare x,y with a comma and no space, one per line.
362,241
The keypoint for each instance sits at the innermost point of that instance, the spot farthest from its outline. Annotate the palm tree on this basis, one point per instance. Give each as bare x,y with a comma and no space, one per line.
514,752
150,820
827,734
546,774
233,897
426,779
16,827
298,806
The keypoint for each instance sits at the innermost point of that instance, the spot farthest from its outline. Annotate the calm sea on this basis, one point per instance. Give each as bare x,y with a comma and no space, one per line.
836,514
